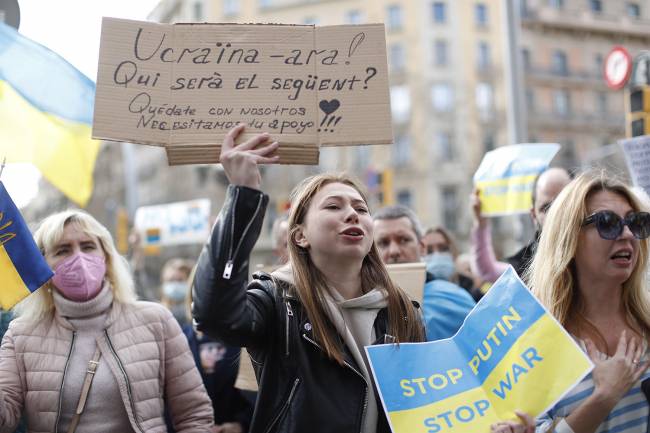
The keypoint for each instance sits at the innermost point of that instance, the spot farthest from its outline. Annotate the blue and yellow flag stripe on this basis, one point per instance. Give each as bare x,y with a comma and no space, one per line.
46,106
23,268
45,79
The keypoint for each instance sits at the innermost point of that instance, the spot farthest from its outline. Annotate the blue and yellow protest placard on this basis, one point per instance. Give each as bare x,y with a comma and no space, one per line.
23,268
506,175
510,354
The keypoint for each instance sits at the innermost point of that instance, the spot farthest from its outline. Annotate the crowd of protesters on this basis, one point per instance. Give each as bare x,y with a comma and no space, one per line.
82,354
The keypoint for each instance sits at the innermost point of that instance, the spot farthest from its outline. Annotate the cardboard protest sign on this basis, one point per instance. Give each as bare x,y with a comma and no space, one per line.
637,156
174,223
410,277
184,86
506,175
509,354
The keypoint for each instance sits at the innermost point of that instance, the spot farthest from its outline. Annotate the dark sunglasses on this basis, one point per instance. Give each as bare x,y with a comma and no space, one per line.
610,225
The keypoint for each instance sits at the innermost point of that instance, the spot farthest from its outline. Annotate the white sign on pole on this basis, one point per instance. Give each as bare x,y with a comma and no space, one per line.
637,156
174,223
618,66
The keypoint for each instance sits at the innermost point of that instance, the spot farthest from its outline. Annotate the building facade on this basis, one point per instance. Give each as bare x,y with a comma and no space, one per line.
564,44
447,97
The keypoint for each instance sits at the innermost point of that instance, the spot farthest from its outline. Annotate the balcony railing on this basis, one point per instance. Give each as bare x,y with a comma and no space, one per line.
569,77
614,122
586,20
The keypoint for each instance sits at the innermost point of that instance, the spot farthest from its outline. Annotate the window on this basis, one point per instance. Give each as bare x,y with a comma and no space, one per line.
439,12
442,97
440,52
530,100
311,20
568,153
598,64
524,11
400,103
394,17
601,102
230,7
560,66
354,17
405,198
633,10
596,6
488,143
556,4
450,207
483,59
444,146
265,3
402,150
481,15
397,57
525,58
198,11
484,100
561,102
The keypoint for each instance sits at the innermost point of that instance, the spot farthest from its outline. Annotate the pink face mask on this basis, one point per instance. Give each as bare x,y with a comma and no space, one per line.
80,276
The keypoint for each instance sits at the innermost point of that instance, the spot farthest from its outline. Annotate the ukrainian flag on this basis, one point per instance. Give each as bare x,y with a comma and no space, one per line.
23,268
46,112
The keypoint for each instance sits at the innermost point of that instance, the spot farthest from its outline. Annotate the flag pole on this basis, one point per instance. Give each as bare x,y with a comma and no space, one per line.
2,167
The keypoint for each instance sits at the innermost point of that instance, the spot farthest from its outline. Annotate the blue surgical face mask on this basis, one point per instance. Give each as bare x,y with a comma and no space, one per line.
175,291
441,265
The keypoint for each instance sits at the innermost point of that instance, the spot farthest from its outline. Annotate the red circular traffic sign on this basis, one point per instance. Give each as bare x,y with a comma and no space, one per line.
617,68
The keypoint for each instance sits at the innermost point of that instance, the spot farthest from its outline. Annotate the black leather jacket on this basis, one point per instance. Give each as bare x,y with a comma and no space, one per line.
300,389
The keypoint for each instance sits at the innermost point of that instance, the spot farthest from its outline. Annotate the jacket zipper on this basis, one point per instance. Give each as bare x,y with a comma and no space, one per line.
285,406
289,315
128,384
65,370
227,270
365,397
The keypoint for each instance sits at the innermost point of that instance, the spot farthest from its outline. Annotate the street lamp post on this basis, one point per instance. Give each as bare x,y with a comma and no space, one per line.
516,107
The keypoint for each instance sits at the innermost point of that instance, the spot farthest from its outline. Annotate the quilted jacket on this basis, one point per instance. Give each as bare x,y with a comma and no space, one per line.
145,349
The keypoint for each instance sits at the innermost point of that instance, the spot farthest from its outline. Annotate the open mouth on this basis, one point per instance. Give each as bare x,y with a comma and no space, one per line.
353,232
622,255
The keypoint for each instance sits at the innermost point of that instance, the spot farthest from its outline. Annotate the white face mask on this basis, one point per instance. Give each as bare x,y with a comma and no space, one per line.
441,265
175,290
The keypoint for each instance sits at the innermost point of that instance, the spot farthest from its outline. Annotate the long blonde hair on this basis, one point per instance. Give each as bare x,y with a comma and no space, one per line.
49,233
311,284
552,274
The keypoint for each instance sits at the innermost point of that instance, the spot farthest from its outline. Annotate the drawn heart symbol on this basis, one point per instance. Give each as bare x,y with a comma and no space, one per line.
329,107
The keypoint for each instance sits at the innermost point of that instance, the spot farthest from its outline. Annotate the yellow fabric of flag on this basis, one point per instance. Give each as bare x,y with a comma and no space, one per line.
61,149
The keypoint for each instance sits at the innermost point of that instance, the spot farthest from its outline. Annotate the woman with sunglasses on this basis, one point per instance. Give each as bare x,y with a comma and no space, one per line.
589,271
